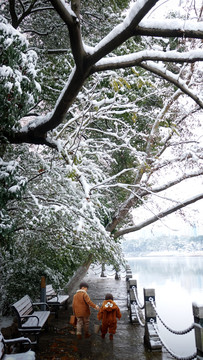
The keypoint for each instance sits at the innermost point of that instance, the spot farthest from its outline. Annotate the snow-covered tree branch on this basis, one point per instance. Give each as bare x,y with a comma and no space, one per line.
158,216
85,60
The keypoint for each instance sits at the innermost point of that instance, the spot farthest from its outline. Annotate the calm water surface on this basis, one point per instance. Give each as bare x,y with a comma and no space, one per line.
178,282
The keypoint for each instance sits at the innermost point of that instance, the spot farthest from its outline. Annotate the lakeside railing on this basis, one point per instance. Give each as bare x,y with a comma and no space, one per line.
146,315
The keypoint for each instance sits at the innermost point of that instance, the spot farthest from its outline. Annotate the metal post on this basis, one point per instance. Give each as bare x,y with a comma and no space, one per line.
151,339
133,301
103,269
132,284
128,274
43,293
198,327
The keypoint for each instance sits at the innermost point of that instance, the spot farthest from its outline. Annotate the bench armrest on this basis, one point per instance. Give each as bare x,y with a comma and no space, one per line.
20,340
40,303
17,340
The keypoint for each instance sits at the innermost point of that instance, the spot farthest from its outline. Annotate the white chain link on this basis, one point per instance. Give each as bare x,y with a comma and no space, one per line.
137,314
136,297
170,351
173,331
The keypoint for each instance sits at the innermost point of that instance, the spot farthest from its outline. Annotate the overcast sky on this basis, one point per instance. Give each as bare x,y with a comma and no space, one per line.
175,224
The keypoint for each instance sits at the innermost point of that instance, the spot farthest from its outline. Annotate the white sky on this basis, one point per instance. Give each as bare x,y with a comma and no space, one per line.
174,223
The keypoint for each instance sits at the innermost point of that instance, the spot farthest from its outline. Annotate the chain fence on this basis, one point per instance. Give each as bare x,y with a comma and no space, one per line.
167,348
141,306
171,330
138,305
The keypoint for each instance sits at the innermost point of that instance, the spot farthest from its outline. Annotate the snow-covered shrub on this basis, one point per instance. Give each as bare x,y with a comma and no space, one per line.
23,265
12,186
18,86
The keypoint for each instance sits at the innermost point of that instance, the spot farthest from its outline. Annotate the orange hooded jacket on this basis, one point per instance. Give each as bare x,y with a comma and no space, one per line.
108,313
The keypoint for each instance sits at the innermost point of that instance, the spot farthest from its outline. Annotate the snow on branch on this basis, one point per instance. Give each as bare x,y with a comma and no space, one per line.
123,31
158,216
157,68
106,181
173,78
124,61
171,183
170,27
64,10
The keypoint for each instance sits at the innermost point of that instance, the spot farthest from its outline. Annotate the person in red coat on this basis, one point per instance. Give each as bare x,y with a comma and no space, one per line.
108,313
81,309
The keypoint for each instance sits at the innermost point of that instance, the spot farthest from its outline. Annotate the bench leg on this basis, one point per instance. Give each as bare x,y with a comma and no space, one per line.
55,308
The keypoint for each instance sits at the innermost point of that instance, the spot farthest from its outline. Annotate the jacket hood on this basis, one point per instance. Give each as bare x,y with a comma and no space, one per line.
109,305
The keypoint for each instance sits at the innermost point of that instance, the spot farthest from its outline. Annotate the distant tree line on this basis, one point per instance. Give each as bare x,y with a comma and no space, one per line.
163,243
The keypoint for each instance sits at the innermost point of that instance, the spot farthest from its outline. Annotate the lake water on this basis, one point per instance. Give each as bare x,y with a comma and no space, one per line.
178,282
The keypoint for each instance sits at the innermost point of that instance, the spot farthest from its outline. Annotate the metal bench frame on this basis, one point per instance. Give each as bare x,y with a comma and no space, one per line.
4,343
55,299
30,321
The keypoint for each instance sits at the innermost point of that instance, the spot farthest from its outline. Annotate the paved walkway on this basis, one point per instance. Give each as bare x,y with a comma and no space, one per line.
60,342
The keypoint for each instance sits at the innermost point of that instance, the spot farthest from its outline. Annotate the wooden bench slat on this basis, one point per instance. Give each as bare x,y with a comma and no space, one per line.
33,321
60,299
50,291
24,305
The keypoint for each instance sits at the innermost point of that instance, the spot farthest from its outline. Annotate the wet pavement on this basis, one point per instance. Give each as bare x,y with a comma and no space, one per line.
61,343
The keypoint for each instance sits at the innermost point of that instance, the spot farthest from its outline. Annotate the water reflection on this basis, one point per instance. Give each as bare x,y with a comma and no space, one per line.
178,282
188,271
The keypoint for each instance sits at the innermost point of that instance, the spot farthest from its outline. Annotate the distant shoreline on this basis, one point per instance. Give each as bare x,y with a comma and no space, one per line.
164,253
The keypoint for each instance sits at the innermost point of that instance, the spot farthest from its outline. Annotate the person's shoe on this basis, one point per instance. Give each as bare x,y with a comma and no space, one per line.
79,336
111,336
103,336
87,335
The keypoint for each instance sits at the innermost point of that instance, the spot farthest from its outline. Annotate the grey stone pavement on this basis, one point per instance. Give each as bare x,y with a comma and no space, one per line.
61,343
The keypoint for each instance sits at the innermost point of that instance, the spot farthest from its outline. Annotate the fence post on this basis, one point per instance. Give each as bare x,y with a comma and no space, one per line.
43,293
198,327
151,339
133,301
117,276
103,269
128,274
128,294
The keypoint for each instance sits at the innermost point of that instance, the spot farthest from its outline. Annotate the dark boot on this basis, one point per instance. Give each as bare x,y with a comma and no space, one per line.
87,335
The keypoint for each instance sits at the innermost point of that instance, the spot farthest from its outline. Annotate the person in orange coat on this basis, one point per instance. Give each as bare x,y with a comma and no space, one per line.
81,309
108,313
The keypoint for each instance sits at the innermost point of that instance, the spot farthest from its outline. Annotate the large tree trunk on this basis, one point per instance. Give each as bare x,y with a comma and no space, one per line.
80,273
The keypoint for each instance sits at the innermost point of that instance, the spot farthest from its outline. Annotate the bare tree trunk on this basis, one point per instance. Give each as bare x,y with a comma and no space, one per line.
80,273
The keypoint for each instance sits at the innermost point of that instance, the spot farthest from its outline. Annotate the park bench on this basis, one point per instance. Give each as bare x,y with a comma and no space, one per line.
55,299
6,344
30,321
